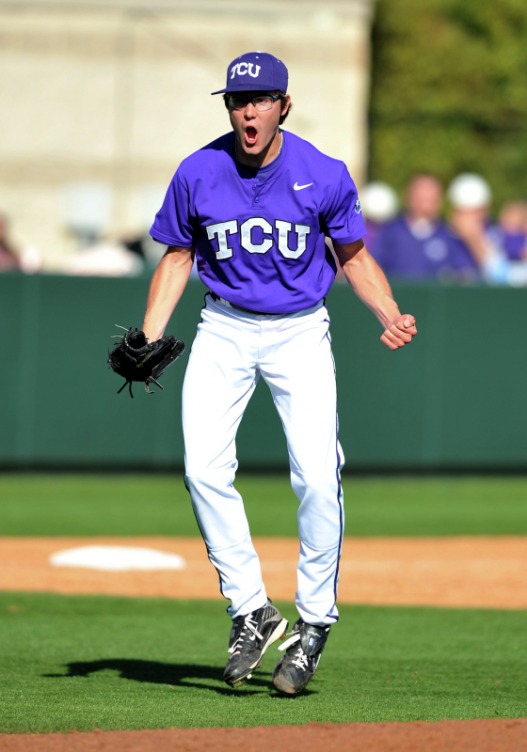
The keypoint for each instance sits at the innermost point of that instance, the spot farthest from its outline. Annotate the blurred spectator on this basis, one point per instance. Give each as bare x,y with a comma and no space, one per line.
104,258
150,251
145,247
512,223
470,198
417,244
14,257
379,205
9,256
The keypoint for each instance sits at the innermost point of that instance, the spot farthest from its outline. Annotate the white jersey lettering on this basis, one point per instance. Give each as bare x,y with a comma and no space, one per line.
248,241
219,231
284,231
247,236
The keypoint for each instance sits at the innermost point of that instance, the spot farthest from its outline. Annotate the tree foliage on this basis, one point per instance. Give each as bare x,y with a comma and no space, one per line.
448,92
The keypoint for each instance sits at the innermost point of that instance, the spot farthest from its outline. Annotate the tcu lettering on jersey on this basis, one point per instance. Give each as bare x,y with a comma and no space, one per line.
262,241
244,69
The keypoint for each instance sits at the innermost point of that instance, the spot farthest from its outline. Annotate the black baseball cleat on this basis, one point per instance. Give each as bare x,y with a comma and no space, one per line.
250,637
302,654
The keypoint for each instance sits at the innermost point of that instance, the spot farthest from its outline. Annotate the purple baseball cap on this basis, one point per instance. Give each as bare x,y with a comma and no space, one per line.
255,71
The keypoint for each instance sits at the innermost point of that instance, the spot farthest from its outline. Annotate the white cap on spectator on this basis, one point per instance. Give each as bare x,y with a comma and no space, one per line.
379,201
469,191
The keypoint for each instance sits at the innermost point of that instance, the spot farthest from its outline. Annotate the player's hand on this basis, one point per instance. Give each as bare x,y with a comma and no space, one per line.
400,332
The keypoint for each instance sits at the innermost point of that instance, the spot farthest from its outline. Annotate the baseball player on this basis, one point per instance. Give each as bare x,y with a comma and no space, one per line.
252,210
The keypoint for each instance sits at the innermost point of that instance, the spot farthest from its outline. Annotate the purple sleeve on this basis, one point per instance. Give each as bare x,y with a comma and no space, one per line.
343,216
173,222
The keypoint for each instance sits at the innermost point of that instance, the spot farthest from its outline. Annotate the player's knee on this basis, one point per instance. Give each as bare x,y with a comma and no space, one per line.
200,480
321,486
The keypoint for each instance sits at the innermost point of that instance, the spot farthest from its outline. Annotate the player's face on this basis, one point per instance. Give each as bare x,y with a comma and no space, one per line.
257,132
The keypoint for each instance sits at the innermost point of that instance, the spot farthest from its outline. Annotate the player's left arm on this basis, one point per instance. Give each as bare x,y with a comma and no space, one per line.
369,283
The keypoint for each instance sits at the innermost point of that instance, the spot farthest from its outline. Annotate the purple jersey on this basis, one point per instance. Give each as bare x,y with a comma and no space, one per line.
514,244
433,254
259,235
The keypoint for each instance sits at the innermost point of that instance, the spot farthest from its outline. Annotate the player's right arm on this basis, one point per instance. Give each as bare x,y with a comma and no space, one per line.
166,288
370,284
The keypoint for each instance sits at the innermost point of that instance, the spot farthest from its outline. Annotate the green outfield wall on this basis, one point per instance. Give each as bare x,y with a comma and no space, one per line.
456,399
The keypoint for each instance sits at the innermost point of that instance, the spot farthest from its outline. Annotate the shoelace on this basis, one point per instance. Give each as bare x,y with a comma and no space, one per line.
295,636
300,660
251,625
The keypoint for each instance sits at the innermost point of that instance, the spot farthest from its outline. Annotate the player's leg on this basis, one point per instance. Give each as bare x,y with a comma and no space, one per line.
219,381
305,396
304,391
220,378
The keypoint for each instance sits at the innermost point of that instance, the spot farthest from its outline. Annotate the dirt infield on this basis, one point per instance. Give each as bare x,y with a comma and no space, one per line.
487,572
451,736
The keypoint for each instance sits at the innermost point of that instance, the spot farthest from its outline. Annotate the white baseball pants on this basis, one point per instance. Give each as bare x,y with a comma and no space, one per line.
292,353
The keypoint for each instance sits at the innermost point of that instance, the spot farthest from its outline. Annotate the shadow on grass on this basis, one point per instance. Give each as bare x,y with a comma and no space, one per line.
154,672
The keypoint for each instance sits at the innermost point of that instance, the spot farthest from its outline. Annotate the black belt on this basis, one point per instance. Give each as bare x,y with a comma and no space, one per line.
239,308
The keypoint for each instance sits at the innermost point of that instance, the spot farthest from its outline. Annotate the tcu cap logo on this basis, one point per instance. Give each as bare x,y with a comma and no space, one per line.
258,71
244,69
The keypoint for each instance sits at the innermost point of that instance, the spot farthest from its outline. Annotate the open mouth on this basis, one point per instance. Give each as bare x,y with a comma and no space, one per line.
251,135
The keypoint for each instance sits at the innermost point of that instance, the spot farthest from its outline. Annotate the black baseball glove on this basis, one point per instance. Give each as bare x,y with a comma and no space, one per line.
136,359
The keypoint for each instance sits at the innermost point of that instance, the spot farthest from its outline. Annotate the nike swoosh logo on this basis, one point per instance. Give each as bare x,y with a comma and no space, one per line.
297,187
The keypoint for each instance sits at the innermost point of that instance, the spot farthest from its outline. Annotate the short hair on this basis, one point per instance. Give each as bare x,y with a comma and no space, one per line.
283,101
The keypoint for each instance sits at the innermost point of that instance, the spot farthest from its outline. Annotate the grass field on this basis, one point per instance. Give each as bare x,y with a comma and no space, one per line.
71,662
110,663
159,505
